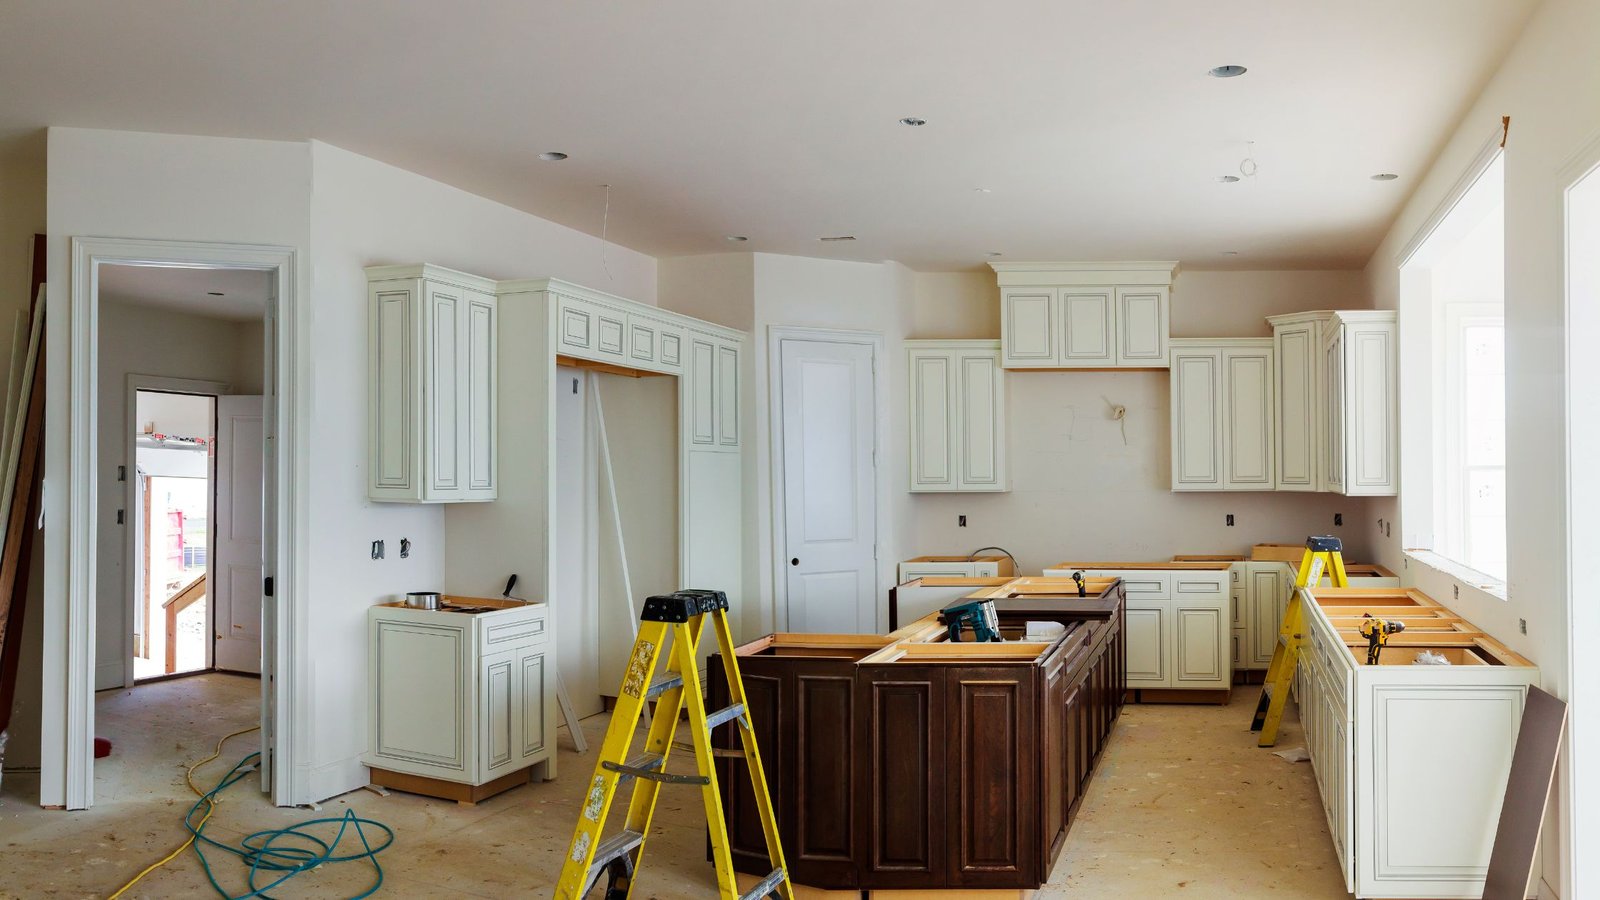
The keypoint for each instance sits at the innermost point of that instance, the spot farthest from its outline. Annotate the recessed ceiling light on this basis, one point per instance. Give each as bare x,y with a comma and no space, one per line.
552,156
913,121
1227,71
214,293
996,253
737,238
1228,252
982,190
1227,179
1385,176
842,237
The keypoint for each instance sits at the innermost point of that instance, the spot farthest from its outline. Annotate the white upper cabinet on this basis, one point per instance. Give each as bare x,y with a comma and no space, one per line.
1222,413
1337,407
958,427
432,340
1084,315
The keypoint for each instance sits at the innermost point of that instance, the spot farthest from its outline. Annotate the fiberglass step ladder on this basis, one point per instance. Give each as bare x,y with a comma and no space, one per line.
589,858
1321,553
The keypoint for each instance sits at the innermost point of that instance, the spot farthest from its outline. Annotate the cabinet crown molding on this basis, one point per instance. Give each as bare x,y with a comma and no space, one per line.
1123,272
432,273
1323,315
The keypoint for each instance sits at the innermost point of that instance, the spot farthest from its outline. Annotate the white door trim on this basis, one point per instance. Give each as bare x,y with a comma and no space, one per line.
66,751
776,335
130,490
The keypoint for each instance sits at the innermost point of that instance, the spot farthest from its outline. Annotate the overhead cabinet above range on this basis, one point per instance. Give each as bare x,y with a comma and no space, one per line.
1084,315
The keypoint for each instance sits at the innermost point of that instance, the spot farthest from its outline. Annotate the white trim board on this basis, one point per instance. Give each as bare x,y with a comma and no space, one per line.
776,335
66,751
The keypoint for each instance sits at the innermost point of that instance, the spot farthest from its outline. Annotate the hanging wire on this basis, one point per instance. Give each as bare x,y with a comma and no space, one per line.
1247,166
605,223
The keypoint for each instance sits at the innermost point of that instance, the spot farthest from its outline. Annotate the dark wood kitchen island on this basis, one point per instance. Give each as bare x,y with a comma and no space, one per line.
910,761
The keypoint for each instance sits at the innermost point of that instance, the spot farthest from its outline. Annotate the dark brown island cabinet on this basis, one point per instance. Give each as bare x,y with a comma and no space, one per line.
911,761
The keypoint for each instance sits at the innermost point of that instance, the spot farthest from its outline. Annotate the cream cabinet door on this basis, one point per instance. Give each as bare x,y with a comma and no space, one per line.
727,396
444,412
1200,635
532,690
396,392
499,716
1149,642
419,695
1371,441
1298,397
702,392
479,385
1088,327
1247,417
933,420
1333,410
981,422
643,342
1028,325
1269,597
1196,420
1141,327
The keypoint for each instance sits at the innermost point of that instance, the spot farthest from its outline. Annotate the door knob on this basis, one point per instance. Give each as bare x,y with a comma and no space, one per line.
795,561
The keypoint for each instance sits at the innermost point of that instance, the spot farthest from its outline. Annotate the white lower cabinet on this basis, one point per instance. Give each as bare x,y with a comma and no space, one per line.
957,416
956,566
460,697
1148,628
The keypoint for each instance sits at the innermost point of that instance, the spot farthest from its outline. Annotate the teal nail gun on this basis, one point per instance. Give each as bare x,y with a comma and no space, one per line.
976,614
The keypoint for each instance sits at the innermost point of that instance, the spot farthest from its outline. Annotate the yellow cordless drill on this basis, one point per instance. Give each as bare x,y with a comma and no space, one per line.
1377,632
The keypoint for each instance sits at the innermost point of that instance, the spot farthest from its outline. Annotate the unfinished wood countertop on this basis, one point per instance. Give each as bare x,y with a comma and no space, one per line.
1200,565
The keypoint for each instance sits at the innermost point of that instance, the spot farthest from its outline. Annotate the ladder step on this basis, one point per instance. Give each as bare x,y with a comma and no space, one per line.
662,686
767,886
611,849
726,714
648,767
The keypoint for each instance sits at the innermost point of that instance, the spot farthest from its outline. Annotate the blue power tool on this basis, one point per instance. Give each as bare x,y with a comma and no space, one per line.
976,614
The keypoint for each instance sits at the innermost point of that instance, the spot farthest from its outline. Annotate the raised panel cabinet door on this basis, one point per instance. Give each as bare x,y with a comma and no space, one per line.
992,790
1372,442
1333,411
1247,417
902,730
669,352
643,335
1237,648
610,334
1142,327
1148,632
727,396
1200,644
1088,327
982,423
443,391
702,392
575,327
532,691
1270,591
1196,420
499,716
1055,743
1028,328
1297,400
820,842
933,421
393,363
478,437
421,695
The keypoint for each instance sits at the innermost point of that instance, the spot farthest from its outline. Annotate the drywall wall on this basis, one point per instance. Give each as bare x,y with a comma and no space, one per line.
1078,490
1550,88
139,185
137,340
366,213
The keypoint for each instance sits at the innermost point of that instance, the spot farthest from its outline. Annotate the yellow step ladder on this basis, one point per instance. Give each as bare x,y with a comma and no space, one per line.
1322,553
589,858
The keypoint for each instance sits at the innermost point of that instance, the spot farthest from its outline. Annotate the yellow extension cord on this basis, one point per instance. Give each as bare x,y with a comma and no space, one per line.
211,807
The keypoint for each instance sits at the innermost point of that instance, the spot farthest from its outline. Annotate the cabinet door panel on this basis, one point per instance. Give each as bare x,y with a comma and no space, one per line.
1247,412
933,422
991,780
609,334
1028,328
1200,638
1196,421
981,423
1372,455
500,716
670,351
900,718
823,833
575,327
1147,629
702,392
1333,411
727,396
1297,399
1088,328
642,338
394,384
1270,593
532,689
478,438
1141,327
418,716
443,392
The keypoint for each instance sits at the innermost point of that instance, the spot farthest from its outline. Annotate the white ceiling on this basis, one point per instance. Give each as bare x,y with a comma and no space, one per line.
1092,123
244,292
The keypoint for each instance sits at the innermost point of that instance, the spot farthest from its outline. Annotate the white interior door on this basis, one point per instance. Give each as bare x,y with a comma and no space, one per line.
237,531
830,485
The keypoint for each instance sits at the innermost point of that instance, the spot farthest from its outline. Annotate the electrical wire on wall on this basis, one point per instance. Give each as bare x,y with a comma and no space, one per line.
605,224
1014,566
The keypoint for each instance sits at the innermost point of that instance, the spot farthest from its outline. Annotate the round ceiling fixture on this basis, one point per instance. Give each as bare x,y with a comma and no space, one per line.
982,191
996,253
552,156
1227,179
737,238
214,293
1385,176
1228,252
1227,71
913,121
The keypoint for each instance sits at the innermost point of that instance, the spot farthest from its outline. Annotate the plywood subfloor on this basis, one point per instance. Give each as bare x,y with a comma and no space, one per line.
1183,805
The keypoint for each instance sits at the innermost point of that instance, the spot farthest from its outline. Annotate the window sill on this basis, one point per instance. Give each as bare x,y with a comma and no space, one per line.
1460,572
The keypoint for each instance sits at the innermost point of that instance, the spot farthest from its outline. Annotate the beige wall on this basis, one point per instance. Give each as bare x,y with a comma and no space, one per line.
1549,85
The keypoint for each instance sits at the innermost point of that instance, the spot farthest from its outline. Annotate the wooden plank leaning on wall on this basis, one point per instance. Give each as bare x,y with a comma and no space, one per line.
16,554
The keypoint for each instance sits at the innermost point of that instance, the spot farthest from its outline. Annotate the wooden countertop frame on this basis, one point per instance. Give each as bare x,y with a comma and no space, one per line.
1429,623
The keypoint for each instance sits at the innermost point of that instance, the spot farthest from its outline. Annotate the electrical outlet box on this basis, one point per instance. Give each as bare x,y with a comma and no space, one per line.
1230,520
1522,624
961,521
1338,519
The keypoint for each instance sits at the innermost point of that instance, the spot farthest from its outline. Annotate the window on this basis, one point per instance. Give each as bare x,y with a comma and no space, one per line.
1453,290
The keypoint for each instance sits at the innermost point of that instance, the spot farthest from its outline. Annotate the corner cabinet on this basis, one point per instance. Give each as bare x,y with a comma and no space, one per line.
1337,427
958,416
1223,414
1093,315
431,350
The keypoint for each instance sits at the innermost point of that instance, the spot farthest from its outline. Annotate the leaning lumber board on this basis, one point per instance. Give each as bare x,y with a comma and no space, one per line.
24,400
17,551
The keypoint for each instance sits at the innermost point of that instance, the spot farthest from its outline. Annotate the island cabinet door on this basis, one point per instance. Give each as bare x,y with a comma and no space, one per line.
1054,743
902,732
992,765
